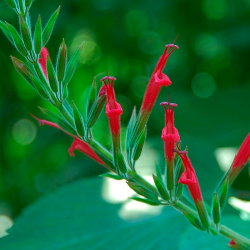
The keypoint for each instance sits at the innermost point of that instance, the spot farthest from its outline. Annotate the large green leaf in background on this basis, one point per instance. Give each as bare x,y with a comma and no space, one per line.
76,217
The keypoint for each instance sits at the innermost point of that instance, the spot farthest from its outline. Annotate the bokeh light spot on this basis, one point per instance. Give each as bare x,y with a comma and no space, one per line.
5,224
224,157
203,85
215,9
150,43
206,45
136,22
24,132
91,53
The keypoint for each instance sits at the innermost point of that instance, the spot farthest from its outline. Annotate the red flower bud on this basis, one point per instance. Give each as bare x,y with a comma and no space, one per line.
170,134
158,79
189,177
43,61
113,108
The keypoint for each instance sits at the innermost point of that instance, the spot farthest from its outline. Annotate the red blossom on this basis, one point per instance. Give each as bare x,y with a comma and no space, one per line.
43,61
243,154
77,143
170,134
189,177
113,108
158,79
232,242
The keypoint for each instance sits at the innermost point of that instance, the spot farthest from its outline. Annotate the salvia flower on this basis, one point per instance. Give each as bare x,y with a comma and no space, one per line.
113,108
77,143
170,134
158,79
43,61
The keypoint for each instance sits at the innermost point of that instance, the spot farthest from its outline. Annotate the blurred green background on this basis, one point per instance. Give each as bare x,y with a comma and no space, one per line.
211,85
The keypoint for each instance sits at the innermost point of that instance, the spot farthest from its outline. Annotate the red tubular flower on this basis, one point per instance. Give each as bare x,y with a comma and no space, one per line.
243,154
113,108
158,79
43,61
189,177
77,143
170,134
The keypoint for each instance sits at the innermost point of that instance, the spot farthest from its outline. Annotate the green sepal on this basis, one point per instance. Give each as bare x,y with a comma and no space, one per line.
139,144
21,6
213,231
223,193
161,188
17,40
11,3
78,120
92,96
65,92
28,3
131,125
61,61
47,31
146,201
96,110
216,209
170,175
119,162
59,121
25,33
194,221
71,65
143,192
158,171
112,176
38,36
6,31
23,69
179,189
52,75
202,211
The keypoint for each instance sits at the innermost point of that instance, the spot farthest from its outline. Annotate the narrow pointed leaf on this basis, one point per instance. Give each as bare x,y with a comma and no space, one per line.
38,36
158,171
146,201
21,6
161,188
49,26
25,34
59,121
17,40
71,66
139,144
78,120
96,110
11,3
61,61
92,96
131,125
52,75
216,209
202,211
6,31
223,193
40,87
143,192
120,162
112,176
65,92
28,3
194,221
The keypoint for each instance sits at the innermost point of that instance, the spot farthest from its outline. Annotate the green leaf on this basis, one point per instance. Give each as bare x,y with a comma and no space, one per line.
194,221
216,209
17,40
48,29
52,75
65,92
112,176
11,3
142,191
23,69
61,61
92,96
21,6
96,110
38,36
161,188
146,201
28,3
223,193
59,121
40,87
25,34
130,128
139,144
120,162
71,66
158,171
6,31
78,120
